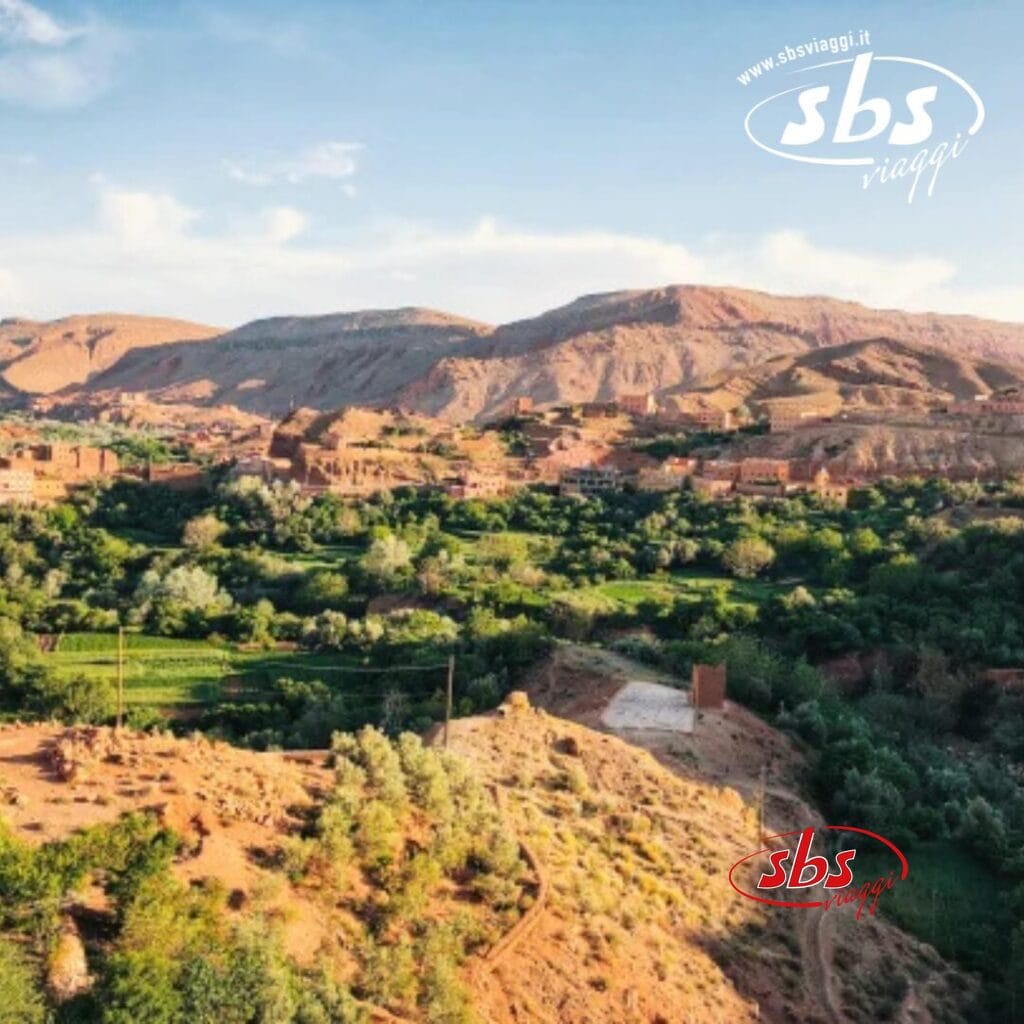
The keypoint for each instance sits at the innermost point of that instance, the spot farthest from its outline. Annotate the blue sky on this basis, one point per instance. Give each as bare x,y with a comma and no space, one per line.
227,160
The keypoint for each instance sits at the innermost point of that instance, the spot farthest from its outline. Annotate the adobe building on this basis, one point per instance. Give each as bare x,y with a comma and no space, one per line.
1005,404
638,405
708,686
16,487
711,487
597,410
700,417
521,405
828,489
73,463
477,484
670,475
776,471
710,418
793,415
55,469
588,480
179,476
721,469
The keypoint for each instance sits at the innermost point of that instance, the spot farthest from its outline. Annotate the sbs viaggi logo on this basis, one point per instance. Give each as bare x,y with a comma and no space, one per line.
896,119
786,873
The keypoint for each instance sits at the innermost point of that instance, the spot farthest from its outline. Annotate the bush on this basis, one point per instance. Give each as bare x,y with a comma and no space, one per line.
91,700
20,1002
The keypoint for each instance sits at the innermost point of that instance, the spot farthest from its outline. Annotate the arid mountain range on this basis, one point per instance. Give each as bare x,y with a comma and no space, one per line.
733,345
42,358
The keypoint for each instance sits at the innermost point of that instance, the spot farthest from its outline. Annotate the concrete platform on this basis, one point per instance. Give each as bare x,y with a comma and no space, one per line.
649,706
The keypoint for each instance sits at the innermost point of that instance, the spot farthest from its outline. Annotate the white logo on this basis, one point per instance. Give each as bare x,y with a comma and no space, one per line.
867,111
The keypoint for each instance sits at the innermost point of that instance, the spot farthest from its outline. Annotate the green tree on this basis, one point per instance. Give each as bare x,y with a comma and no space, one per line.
202,532
388,560
747,557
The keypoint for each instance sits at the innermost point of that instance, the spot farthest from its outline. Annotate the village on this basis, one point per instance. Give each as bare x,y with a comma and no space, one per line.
584,449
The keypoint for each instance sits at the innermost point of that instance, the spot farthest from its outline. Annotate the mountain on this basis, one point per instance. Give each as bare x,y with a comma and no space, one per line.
41,358
875,375
663,340
321,362
671,339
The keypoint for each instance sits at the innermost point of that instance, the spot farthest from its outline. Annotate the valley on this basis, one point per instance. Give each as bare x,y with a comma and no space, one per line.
241,614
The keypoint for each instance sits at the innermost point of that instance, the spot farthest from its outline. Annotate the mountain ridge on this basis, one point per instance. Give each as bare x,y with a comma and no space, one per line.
664,340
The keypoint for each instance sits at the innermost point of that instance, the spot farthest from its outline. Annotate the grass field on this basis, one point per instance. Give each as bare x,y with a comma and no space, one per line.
629,594
166,673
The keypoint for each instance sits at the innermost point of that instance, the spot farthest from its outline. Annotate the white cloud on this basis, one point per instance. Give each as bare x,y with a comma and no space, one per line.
145,253
283,223
23,22
144,219
787,261
45,64
332,161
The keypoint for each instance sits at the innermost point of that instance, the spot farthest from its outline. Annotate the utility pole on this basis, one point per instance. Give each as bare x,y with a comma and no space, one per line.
120,676
760,806
448,698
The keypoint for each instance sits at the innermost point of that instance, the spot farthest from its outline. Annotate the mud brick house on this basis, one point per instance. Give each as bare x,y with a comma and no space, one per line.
47,489
764,489
711,487
473,484
793,415
55,469
708,686
595,410
670,475
16,487
776,471
990,405
72,463
638,405
589,480
521,405
697,417
721,469
828,489
180,476
710,418
257,465
540,437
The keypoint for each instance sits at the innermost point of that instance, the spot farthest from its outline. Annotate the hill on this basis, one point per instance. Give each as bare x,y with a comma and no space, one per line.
615,909
271,366
41,358
884,375
663,340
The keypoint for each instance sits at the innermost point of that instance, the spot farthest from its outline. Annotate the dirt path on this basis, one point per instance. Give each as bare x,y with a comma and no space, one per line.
816,950
730,748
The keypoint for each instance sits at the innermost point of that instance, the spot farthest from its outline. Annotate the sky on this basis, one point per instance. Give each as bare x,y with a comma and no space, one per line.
223,161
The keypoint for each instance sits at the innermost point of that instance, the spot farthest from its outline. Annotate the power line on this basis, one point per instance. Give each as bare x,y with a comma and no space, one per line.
349,668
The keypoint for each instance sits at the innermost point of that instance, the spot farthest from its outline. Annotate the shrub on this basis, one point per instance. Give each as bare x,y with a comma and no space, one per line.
20,1002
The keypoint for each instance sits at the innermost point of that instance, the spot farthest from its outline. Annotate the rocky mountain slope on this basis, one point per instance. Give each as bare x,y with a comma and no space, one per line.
270,366
41,358
879,374
670,339
662,340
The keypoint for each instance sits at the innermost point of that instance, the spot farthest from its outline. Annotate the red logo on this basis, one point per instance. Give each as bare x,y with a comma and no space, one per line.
793,866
